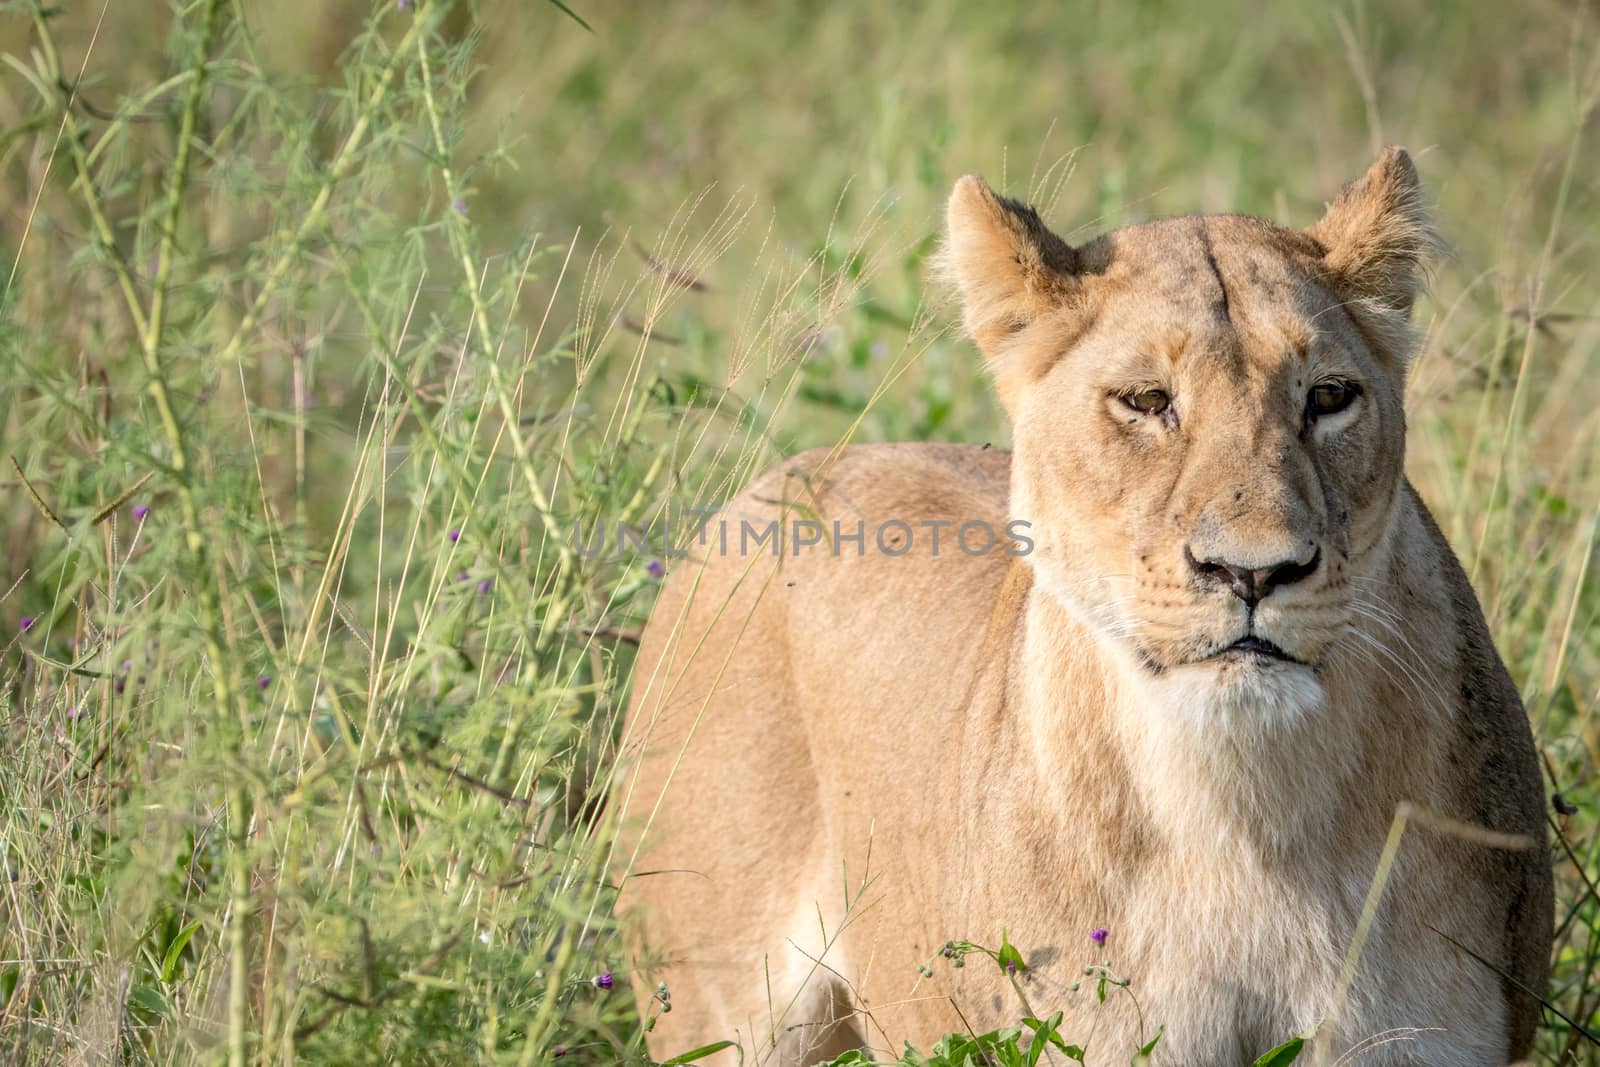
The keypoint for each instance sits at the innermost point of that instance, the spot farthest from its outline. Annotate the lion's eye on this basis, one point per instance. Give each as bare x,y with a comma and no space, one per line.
1330,398
1148,401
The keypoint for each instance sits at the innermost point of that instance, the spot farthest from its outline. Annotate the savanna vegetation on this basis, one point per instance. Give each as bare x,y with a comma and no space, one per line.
325,323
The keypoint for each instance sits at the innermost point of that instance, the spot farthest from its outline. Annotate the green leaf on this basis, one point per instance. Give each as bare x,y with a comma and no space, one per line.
912,1058
702,1051
1285,1053
1044,1033
1008,954
169,963
1143,1055
147,1005
852,1058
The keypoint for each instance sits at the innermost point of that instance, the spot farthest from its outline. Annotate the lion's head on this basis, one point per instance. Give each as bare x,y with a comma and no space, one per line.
1207,420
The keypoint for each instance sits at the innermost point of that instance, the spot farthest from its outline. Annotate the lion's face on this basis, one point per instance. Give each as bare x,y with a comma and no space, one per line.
1215,458
1208,424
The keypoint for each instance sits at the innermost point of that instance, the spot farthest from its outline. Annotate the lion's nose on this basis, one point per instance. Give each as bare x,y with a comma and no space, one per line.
1250,584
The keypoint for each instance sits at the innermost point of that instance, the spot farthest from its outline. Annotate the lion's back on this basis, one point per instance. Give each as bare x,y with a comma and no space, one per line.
869,576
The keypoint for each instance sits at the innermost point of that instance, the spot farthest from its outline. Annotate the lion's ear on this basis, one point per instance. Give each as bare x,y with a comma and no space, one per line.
1007,265
1376,236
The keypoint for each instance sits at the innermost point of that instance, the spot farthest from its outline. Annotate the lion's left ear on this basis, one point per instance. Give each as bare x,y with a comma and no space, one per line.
1376,236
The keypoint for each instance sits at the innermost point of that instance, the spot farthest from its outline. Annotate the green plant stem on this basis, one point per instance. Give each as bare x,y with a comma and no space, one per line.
208,585
208,590
150,327
566,557
1358,941
86,186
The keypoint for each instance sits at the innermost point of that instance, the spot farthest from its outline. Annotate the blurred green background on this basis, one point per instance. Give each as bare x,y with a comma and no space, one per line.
586,264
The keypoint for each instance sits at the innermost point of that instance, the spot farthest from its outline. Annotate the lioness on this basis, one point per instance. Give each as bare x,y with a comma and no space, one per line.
1180,705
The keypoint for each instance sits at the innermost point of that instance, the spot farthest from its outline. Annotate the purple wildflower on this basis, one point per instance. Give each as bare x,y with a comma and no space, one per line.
72,713
485,585
25,623
264,682
459,205
455,535
122,683
558,1051
140,511
402,5
462,576
657,568
1011,968
603,981
1098,936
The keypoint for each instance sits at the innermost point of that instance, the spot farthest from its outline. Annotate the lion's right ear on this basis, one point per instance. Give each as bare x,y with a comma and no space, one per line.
1009,268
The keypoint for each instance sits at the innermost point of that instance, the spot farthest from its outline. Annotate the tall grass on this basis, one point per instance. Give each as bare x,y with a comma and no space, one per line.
324,327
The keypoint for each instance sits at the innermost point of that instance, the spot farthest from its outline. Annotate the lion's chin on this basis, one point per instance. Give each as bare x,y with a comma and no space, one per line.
1250,692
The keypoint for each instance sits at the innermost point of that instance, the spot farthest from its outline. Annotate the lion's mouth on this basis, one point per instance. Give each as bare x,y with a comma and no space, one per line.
1253,646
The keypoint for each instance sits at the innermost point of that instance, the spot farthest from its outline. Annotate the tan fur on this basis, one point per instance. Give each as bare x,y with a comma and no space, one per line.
840,760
